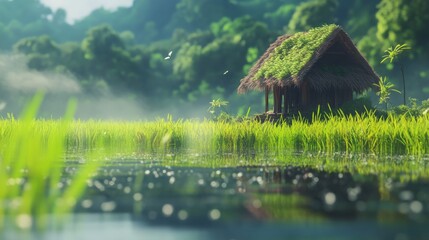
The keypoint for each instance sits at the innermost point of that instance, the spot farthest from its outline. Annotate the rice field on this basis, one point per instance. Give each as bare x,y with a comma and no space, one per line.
359,134
37,155
352,134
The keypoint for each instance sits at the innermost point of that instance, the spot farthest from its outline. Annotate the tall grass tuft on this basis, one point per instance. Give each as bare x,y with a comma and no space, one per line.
32,162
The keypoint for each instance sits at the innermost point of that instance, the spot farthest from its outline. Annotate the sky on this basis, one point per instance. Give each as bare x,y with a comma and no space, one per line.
77,9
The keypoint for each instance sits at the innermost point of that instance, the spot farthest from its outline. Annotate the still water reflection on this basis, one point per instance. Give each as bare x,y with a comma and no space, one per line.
135,201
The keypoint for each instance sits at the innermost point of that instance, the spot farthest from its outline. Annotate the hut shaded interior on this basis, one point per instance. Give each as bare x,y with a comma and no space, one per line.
331,80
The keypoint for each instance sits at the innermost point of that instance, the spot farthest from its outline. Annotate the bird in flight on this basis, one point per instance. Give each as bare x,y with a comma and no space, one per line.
169,55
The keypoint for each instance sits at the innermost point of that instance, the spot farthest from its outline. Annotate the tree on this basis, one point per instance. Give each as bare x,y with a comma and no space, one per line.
392,54
101,42
42,52
403,21
109,59
23,11
357,16
205,61
199,14
313,13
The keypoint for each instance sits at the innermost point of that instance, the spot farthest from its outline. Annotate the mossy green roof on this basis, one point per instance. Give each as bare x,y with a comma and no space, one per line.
288,59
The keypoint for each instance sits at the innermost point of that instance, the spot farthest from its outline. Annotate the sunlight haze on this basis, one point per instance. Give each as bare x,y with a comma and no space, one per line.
77,9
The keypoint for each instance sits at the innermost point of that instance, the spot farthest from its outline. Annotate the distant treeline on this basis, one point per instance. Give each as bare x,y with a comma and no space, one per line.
213,43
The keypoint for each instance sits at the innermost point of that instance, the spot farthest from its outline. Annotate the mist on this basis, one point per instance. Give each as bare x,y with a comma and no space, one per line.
18,84
16,77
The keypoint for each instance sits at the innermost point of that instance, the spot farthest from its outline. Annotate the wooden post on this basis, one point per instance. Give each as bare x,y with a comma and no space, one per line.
275,93
279,100
267,92
285,107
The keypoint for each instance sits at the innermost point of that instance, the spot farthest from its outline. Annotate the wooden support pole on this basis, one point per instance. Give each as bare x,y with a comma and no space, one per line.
267,93
275,93
285,107
279,100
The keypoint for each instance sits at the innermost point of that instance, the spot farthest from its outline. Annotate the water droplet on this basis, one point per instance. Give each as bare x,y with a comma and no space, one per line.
99,185
127,190
214,184
108,206
416,207
24,221
150,185
353,193
182,215
200,181
406,195
167,210
214,214
137,197
87,203
15,203
330,198
172,180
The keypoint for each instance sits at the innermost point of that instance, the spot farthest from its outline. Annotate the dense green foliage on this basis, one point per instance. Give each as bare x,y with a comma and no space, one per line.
294,53
313,13
123,51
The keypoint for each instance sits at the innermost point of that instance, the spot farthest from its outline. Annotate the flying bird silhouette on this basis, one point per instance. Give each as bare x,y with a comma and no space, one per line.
169,55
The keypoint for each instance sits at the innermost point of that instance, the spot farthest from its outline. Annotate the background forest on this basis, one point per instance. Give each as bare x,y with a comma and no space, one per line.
118,61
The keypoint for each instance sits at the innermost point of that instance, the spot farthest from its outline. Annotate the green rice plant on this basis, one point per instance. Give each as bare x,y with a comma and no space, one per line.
31,166
358,133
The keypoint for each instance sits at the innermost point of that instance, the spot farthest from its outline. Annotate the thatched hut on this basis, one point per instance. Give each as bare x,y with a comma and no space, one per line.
318,67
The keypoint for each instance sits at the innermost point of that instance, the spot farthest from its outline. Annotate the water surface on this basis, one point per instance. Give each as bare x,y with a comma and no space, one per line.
137,199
